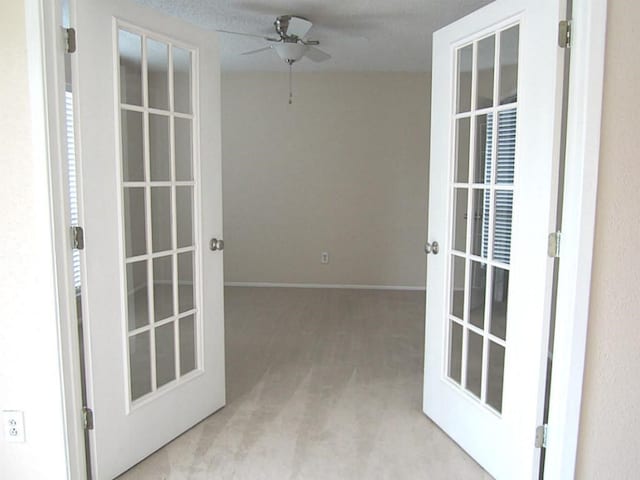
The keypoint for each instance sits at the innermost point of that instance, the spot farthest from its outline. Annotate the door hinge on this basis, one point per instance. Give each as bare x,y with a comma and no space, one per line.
564,34
70,40
87,418
553,245
77,238
541,436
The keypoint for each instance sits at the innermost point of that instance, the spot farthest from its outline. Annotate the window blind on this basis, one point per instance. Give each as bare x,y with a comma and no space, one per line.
72,182
505,166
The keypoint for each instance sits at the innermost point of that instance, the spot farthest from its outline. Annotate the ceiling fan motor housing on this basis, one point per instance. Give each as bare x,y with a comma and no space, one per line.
282,26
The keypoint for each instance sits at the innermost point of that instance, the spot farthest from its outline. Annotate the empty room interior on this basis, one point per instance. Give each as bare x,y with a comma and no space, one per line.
316,240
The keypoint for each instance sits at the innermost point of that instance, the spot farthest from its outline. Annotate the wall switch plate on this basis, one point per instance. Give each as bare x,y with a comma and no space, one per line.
324,257
13,425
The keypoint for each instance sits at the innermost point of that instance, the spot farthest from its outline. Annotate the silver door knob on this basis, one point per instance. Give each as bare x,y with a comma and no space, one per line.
432,247
216,244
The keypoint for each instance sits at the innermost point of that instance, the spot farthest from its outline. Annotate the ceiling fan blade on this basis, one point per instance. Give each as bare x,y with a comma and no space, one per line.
251,52
298,27
268,39
316,55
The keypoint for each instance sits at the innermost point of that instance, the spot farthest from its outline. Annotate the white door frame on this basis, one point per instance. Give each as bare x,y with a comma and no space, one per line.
589,19
46,61
47,77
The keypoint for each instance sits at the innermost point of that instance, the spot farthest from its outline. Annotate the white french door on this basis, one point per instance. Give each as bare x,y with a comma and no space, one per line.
148,125
493,190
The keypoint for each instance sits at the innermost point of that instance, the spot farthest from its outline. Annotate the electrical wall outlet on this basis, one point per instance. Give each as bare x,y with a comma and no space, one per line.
13,424
324,257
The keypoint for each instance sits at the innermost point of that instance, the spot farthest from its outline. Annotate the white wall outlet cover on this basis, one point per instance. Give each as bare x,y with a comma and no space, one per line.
13,425
324,257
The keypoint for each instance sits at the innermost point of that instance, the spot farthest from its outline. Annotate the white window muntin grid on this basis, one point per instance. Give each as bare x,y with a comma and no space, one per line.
471,187
147,185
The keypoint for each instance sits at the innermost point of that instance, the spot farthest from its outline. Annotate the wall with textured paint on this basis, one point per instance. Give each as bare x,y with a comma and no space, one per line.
610,423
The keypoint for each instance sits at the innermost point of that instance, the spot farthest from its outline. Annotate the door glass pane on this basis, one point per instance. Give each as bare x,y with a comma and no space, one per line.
457,287
463,136
465,66
455,351
486,66
184,214
499,299
165,354
130,50
157,74
134,222
183,149
480,222
132,146
502,226
185,281
474,363
495,376
182,80
187,344
162,287
460,220
506,155
159,153
137,295
509,40
139,365
478,292
483,149
161,218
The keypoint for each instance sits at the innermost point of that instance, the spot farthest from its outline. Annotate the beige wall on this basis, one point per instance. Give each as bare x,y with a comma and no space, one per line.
29,362
610,423
342,170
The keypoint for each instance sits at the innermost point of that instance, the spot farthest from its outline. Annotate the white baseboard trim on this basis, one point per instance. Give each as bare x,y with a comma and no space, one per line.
321,285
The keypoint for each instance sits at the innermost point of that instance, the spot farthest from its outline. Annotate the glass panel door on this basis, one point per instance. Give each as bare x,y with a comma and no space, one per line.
482,190
149,134
158,218
493,183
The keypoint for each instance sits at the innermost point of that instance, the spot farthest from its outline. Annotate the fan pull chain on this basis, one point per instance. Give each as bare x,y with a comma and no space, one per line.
290,83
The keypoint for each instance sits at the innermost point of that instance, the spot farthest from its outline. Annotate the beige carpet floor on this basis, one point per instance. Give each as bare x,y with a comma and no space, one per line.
321,385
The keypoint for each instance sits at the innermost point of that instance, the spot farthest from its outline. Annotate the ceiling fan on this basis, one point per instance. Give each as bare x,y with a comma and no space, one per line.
290,44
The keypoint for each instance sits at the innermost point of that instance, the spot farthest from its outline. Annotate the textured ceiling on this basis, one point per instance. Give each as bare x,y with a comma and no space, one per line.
360,35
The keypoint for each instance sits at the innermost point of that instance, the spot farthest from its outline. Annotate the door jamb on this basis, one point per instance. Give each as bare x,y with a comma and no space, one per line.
578,226
44,20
